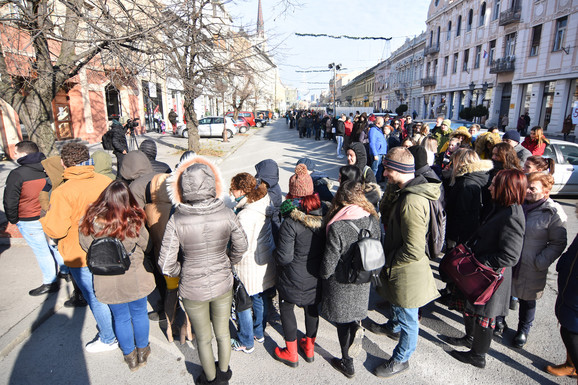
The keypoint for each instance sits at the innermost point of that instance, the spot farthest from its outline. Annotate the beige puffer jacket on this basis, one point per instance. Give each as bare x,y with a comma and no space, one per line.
202,227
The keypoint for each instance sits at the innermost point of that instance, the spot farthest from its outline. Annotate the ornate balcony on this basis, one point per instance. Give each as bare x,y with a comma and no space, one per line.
505,64
429,81
511,15
432,49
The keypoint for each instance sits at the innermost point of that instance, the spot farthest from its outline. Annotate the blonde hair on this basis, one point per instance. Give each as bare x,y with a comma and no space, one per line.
460,159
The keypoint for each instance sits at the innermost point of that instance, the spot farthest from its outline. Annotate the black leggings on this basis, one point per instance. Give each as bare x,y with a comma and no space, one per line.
346,334
289,321
571,342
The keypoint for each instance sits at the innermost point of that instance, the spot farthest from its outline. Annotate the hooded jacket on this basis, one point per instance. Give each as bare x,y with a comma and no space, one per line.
137,169
377,141
202,227
567,301
149,147
158,210
298,256
361,162
119,142
54,169
466,200
23,186
257,267
103,163
68,204
544,241
268,172
408,279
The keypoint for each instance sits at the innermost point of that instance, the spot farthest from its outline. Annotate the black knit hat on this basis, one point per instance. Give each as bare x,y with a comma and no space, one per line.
419,155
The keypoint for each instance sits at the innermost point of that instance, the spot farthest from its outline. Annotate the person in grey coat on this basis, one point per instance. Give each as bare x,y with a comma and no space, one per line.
497,244
544,242
345,304
149,147
211,240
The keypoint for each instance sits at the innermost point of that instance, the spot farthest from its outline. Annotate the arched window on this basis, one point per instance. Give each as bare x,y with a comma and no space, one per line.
459,26
483,14
449,30
470,20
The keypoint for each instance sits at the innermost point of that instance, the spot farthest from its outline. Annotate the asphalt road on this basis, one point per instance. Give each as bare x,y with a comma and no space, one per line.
53,353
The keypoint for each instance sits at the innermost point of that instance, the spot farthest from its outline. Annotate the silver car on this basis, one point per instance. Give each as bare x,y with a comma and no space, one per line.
565,154
212,126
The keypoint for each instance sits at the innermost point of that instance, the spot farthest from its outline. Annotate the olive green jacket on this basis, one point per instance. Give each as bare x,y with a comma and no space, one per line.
407,277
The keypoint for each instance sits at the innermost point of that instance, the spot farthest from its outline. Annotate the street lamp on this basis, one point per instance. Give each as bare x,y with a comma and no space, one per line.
335,68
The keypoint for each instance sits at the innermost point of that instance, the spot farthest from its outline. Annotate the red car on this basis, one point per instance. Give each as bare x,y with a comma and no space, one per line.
249,116
242,125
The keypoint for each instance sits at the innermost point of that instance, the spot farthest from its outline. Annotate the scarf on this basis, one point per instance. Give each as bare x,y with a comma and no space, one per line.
529,207
350,212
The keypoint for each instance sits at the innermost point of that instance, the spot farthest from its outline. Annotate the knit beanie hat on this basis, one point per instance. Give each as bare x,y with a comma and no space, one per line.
308,163
419,155
512,135
300,183
447,123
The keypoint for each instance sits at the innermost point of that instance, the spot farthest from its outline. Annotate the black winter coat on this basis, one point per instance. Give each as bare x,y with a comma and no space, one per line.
340,128
119,142
466,199
298,256
498,244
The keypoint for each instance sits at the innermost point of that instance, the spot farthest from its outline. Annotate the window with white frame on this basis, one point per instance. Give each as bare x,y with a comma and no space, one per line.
496,10
536,36
560,35
478,58
482,14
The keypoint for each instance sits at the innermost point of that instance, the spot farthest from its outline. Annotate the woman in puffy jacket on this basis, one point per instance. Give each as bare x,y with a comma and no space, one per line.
202,227
544,242
536,143
257,267
298,257
116,214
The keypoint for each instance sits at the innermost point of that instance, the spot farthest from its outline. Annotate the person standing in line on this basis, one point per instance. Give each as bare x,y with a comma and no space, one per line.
504,122
536,143
408,280
377,146
512,137
298,256
567,126
68,204
116,214
23,208
257,267
211,240
119,143
346,304
339,133
498,245
173,119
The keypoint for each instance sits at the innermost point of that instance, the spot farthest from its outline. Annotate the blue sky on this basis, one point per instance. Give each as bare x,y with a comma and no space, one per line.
387,18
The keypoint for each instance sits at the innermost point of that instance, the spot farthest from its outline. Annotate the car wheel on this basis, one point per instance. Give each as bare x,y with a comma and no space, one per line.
242,129
185,133
259,124
229,134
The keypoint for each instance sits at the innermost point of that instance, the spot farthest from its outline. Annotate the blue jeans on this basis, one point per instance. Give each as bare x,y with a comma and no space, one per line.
101,312
131,324
339,139
253,324
47,256
405,321
377,167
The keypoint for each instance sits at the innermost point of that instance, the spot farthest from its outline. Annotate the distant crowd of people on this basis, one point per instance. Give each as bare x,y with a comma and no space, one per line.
227,259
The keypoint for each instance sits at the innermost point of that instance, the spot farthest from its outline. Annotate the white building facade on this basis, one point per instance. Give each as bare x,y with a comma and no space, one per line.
513,56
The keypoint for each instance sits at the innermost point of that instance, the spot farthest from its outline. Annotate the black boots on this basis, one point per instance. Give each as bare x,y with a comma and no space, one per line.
466,340
520,339
344,365
480,346
222,378
501,327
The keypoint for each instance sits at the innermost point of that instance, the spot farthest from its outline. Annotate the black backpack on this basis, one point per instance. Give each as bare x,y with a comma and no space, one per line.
107,256
107,141
364,260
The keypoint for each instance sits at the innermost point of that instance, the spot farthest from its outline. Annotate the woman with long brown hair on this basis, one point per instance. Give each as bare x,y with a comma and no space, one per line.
345,304
116,214
505,158
537,163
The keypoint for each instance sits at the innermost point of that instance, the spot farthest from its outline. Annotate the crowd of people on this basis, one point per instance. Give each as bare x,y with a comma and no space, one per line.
226,253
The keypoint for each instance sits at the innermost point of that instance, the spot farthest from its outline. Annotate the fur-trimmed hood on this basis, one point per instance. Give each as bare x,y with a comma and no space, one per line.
195,179
311,221
482,165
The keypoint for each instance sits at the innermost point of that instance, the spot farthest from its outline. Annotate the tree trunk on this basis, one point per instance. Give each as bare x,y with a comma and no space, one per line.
36,114
194,142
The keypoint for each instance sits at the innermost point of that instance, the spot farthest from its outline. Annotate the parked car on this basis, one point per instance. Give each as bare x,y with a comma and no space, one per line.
242,125
565,154
248,115
212,126
455,124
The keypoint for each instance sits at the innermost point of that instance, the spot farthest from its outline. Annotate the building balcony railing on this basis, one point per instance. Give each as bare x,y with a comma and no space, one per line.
429,81
432,49
511,15
505,64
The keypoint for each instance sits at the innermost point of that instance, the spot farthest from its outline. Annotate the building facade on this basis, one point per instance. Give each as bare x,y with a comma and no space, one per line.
514,57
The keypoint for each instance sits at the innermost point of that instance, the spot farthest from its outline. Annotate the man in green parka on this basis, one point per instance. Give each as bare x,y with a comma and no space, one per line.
408,279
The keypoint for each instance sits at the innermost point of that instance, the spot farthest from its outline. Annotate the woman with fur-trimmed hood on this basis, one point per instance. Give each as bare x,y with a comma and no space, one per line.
202,227
466,195
298,256
485,144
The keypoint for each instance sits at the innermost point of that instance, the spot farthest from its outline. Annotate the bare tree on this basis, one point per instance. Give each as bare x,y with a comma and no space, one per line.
46,45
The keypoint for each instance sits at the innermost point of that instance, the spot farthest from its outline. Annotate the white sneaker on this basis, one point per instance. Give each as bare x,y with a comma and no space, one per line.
98,346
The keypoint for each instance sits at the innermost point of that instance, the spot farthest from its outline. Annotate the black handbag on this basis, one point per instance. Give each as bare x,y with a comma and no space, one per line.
241,299
107,256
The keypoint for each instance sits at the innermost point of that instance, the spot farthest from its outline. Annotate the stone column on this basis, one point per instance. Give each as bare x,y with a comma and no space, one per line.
536,100
456,107
516,100
561,101
494,109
